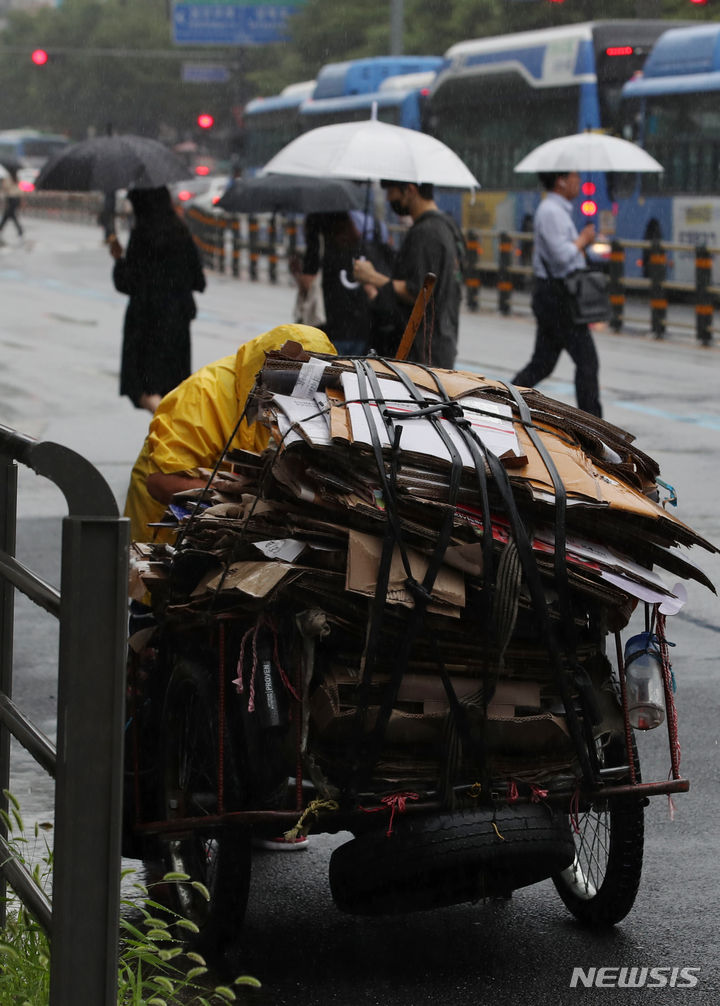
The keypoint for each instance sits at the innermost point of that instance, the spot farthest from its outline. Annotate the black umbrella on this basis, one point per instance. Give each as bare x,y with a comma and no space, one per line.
108,163
292,194
10,164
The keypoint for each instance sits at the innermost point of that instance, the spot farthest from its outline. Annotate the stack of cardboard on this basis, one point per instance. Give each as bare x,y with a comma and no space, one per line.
413,510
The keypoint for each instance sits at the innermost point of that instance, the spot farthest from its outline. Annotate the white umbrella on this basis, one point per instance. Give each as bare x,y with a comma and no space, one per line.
588,152
372,150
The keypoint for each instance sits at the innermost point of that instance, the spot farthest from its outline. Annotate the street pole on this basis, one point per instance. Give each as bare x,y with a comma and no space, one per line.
396,27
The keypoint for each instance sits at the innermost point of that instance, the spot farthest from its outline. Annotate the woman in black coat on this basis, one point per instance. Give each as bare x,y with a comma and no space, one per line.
159,272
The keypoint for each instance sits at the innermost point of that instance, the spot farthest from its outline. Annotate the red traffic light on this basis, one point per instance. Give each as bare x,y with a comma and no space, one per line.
39,57
205,120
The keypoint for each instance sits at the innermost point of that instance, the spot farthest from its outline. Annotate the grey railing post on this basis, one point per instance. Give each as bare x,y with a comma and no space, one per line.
703,297
83,922
658,293
8,508
86,891
253,242
617,294
504,278
472,279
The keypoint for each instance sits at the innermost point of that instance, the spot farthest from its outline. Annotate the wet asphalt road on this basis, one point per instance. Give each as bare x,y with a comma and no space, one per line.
59,344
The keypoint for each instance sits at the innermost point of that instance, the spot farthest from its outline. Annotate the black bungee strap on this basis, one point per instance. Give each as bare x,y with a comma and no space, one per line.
421,592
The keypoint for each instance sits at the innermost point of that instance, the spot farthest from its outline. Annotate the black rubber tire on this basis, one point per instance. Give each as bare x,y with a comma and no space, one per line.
429,862
219,858
601,884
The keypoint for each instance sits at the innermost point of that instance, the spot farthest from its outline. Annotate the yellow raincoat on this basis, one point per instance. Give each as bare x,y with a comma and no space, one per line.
193,422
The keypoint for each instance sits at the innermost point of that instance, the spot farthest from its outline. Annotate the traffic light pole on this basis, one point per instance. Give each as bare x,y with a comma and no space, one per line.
397,19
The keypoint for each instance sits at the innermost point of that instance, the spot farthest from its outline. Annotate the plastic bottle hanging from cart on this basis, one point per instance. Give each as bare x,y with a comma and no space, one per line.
644,681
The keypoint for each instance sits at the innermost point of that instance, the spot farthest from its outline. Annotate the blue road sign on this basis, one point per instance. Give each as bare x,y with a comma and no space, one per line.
205,73
230,23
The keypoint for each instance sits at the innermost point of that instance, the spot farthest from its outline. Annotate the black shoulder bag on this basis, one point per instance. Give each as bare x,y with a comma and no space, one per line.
587,292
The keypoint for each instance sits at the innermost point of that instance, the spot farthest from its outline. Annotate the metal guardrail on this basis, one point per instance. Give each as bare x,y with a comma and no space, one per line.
82,920
498,261
239,244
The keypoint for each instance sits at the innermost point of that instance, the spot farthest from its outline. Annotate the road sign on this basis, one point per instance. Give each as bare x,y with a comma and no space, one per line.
231,22
205,73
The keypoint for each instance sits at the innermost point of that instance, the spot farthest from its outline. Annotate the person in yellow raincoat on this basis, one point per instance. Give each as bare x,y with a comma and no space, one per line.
192,425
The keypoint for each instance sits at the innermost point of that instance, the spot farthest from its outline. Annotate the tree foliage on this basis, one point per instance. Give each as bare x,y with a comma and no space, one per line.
113,62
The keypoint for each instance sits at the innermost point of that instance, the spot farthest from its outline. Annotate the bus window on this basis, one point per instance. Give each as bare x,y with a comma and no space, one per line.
492,120
683,132
40,147
612,73
266,134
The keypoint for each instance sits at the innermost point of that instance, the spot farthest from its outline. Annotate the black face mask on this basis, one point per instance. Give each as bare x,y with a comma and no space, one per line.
398,206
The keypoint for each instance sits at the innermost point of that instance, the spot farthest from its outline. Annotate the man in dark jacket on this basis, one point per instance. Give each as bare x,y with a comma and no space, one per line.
433,244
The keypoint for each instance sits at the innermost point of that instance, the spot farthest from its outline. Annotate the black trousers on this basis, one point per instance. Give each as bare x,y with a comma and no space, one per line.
11,207
556,331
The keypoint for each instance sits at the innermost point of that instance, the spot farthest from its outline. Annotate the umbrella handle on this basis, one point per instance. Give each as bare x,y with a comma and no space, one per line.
348,283
421,302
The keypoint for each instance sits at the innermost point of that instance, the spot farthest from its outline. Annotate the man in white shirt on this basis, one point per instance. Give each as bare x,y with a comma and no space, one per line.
559,250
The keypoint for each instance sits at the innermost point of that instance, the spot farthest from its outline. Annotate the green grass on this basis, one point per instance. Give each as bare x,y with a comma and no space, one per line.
155,966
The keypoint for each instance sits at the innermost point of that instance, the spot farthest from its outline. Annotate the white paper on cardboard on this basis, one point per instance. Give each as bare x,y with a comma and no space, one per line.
493,425
308,417
286,549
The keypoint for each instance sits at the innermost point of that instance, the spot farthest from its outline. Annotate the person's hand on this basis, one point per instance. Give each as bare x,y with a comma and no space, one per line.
363,270
587,236
115,247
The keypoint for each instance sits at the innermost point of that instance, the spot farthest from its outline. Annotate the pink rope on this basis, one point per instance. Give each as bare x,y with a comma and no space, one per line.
238,681
397,803
251,686
253,632
538,794
283,676
512,794
671,708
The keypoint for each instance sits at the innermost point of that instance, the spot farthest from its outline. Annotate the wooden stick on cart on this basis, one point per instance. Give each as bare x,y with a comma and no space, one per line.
421,302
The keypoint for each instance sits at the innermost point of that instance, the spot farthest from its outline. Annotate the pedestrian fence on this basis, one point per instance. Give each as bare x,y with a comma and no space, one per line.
71,207
499,264
498,267
82,917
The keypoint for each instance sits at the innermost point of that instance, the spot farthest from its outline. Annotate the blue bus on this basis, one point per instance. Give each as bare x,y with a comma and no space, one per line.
673,110
399,100
342,92
501,96
271,123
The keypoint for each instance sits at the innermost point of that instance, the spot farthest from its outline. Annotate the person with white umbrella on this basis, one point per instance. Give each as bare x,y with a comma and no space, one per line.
368,151
559,250
434,244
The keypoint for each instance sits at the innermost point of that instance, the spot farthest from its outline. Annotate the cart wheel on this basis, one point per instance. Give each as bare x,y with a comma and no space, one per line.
600,886
219,858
